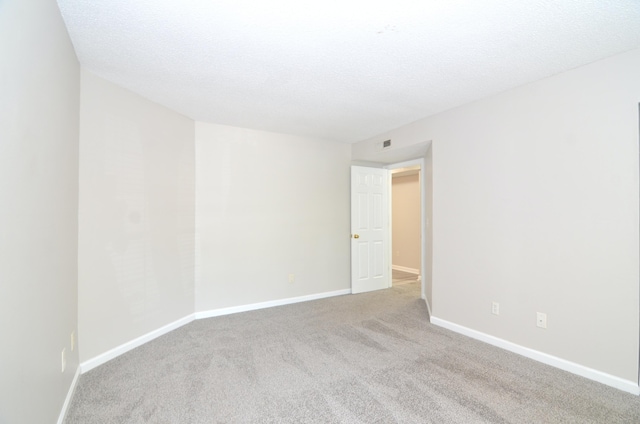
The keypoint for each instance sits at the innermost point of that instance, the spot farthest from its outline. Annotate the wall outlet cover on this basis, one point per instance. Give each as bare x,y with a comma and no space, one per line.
541,319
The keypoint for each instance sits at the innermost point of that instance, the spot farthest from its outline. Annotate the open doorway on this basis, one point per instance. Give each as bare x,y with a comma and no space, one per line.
418,156
406,228
407,207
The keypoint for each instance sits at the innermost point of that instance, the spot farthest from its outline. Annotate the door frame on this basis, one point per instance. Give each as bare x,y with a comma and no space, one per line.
420,162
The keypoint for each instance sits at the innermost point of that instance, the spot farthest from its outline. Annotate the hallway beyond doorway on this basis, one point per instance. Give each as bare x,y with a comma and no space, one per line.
402,277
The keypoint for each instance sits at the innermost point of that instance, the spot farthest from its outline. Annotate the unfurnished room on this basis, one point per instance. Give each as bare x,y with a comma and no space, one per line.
244,211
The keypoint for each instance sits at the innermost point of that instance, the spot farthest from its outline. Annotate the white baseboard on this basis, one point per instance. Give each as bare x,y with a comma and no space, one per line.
67,400
595,375
405,269
254,306
123,348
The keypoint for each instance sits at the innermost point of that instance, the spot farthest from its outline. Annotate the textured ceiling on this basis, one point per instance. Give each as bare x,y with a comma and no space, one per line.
340,70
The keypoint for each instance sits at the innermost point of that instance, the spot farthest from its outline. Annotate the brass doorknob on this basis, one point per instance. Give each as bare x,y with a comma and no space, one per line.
356,236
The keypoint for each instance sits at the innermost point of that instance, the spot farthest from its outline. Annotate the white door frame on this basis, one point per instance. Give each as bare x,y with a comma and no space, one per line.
423,230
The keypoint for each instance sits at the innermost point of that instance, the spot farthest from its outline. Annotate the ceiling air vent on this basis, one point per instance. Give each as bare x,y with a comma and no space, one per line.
386,144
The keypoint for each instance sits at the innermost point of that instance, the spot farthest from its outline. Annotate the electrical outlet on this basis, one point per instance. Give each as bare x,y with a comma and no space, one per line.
64,360
495,308
541,320
73,340
292,278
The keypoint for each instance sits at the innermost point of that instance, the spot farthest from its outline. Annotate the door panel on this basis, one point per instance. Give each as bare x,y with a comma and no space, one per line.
370,231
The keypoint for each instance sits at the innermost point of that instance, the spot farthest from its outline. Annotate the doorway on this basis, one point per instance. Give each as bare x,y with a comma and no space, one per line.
417,156
407,217
406,228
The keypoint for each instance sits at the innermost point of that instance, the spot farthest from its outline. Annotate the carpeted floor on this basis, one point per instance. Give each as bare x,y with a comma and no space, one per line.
367,358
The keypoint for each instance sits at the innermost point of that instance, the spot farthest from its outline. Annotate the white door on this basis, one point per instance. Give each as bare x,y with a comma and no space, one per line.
370,230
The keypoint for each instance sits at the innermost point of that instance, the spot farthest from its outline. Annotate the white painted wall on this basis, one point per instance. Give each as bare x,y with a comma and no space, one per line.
269,205
39,82
406,228
535,206
427,251
136,216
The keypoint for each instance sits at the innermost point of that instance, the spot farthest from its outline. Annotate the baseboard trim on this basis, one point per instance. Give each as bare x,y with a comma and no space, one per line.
406,269
595,375
92,363
262,305
67,400
139,341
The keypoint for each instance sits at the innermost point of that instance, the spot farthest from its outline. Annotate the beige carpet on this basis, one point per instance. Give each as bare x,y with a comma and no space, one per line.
368,358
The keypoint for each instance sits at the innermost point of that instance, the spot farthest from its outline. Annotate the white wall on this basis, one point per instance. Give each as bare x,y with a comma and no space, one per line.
269,205
427,251
136,216
406,228
535,206
39,82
